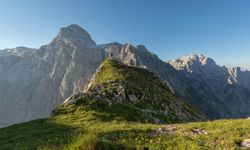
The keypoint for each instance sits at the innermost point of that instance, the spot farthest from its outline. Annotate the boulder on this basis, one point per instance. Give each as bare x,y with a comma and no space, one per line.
246,143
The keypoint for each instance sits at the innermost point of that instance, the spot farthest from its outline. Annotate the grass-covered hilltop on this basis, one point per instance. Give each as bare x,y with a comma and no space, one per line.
140,92
125,107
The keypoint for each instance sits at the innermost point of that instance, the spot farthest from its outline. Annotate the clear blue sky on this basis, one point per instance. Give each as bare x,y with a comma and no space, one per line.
170,28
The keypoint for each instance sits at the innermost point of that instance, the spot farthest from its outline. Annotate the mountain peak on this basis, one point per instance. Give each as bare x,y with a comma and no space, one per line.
75,33
198,57
194,63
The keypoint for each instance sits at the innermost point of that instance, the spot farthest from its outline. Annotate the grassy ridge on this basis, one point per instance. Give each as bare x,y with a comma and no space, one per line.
152,93
86,125
94,123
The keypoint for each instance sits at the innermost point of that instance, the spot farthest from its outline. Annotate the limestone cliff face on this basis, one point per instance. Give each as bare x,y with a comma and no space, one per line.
229,86
238,77
34,81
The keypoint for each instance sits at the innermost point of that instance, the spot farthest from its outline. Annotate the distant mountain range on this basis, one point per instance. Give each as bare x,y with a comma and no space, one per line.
230,86
34,81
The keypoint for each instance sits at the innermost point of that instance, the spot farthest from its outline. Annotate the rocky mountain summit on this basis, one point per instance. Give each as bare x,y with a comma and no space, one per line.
196,64
230,86
34,81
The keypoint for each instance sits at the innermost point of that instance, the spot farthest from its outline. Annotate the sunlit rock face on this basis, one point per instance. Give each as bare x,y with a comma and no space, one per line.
196,64
231,86
34,81
239,77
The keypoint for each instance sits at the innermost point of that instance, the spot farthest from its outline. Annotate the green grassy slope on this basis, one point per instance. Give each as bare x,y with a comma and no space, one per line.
93,125
102,120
